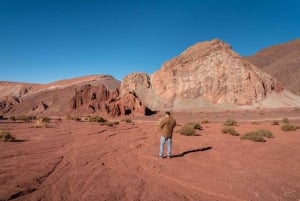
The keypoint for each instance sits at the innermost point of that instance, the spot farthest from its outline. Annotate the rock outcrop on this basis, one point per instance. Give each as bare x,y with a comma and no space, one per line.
92,99
99,94
204,74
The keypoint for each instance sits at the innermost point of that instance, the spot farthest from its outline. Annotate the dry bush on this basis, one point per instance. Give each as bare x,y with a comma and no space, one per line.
194,125
257,136
289,127
205,121
97,119
12,118
188,131
26,118
127,120
230,130
5,136
42,122
230,122
275,122
285,120
189,128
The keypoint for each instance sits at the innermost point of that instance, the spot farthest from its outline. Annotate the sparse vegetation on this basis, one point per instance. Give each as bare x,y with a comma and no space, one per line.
109,123
5,136
42,122
205,121
230,130
127,120
45,119
12,118
257,136
275,122
97,119
285,120
289,127
188,131
189,128
194,125
25,118
230,122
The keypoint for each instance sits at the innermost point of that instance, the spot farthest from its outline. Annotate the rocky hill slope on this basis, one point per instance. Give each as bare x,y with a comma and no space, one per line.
282,62
207,75
84,95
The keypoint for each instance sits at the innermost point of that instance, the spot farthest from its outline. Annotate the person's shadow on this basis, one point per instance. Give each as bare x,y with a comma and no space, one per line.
191,151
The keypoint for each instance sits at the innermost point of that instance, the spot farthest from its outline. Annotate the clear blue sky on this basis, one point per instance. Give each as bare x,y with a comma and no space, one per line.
47,40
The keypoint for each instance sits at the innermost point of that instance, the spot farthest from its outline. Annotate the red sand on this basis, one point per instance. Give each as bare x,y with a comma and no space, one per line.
75,161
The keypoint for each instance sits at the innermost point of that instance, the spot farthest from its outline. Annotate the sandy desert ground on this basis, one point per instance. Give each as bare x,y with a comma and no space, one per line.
84,161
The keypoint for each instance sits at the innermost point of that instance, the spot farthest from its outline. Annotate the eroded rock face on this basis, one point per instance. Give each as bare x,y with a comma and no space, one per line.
206,72
7,103
99,99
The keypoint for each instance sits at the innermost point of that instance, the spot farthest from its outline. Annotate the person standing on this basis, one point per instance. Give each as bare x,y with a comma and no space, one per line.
166,125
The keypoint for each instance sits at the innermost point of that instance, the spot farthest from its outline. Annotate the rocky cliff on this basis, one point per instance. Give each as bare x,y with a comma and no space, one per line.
79,96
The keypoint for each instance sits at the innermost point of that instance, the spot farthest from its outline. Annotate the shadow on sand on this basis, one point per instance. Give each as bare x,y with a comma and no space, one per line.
191,151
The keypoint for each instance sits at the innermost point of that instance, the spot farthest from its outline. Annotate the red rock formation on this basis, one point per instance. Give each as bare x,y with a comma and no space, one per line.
100,99
7,103
206,73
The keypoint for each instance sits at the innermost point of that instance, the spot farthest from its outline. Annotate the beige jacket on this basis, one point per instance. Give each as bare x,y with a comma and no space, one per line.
167,125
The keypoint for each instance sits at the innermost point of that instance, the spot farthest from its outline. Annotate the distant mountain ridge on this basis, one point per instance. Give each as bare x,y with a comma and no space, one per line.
282,62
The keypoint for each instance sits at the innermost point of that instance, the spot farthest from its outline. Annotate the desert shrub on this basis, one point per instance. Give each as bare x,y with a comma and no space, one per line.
254,136
45,119
230,130
265,133
255,123
12,118
275,122
204,121
285,120
194,125
186,130
5,136
26,118
257,136
97,119
289,127
42,122
230,122
127,120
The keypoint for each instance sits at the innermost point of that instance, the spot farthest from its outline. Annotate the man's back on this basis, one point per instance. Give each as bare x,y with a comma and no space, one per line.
167,125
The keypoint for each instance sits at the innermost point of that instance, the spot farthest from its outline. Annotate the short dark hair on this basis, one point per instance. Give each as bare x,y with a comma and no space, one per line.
168,113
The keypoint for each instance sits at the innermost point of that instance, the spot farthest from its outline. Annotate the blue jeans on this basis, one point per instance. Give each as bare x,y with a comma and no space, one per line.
162,143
